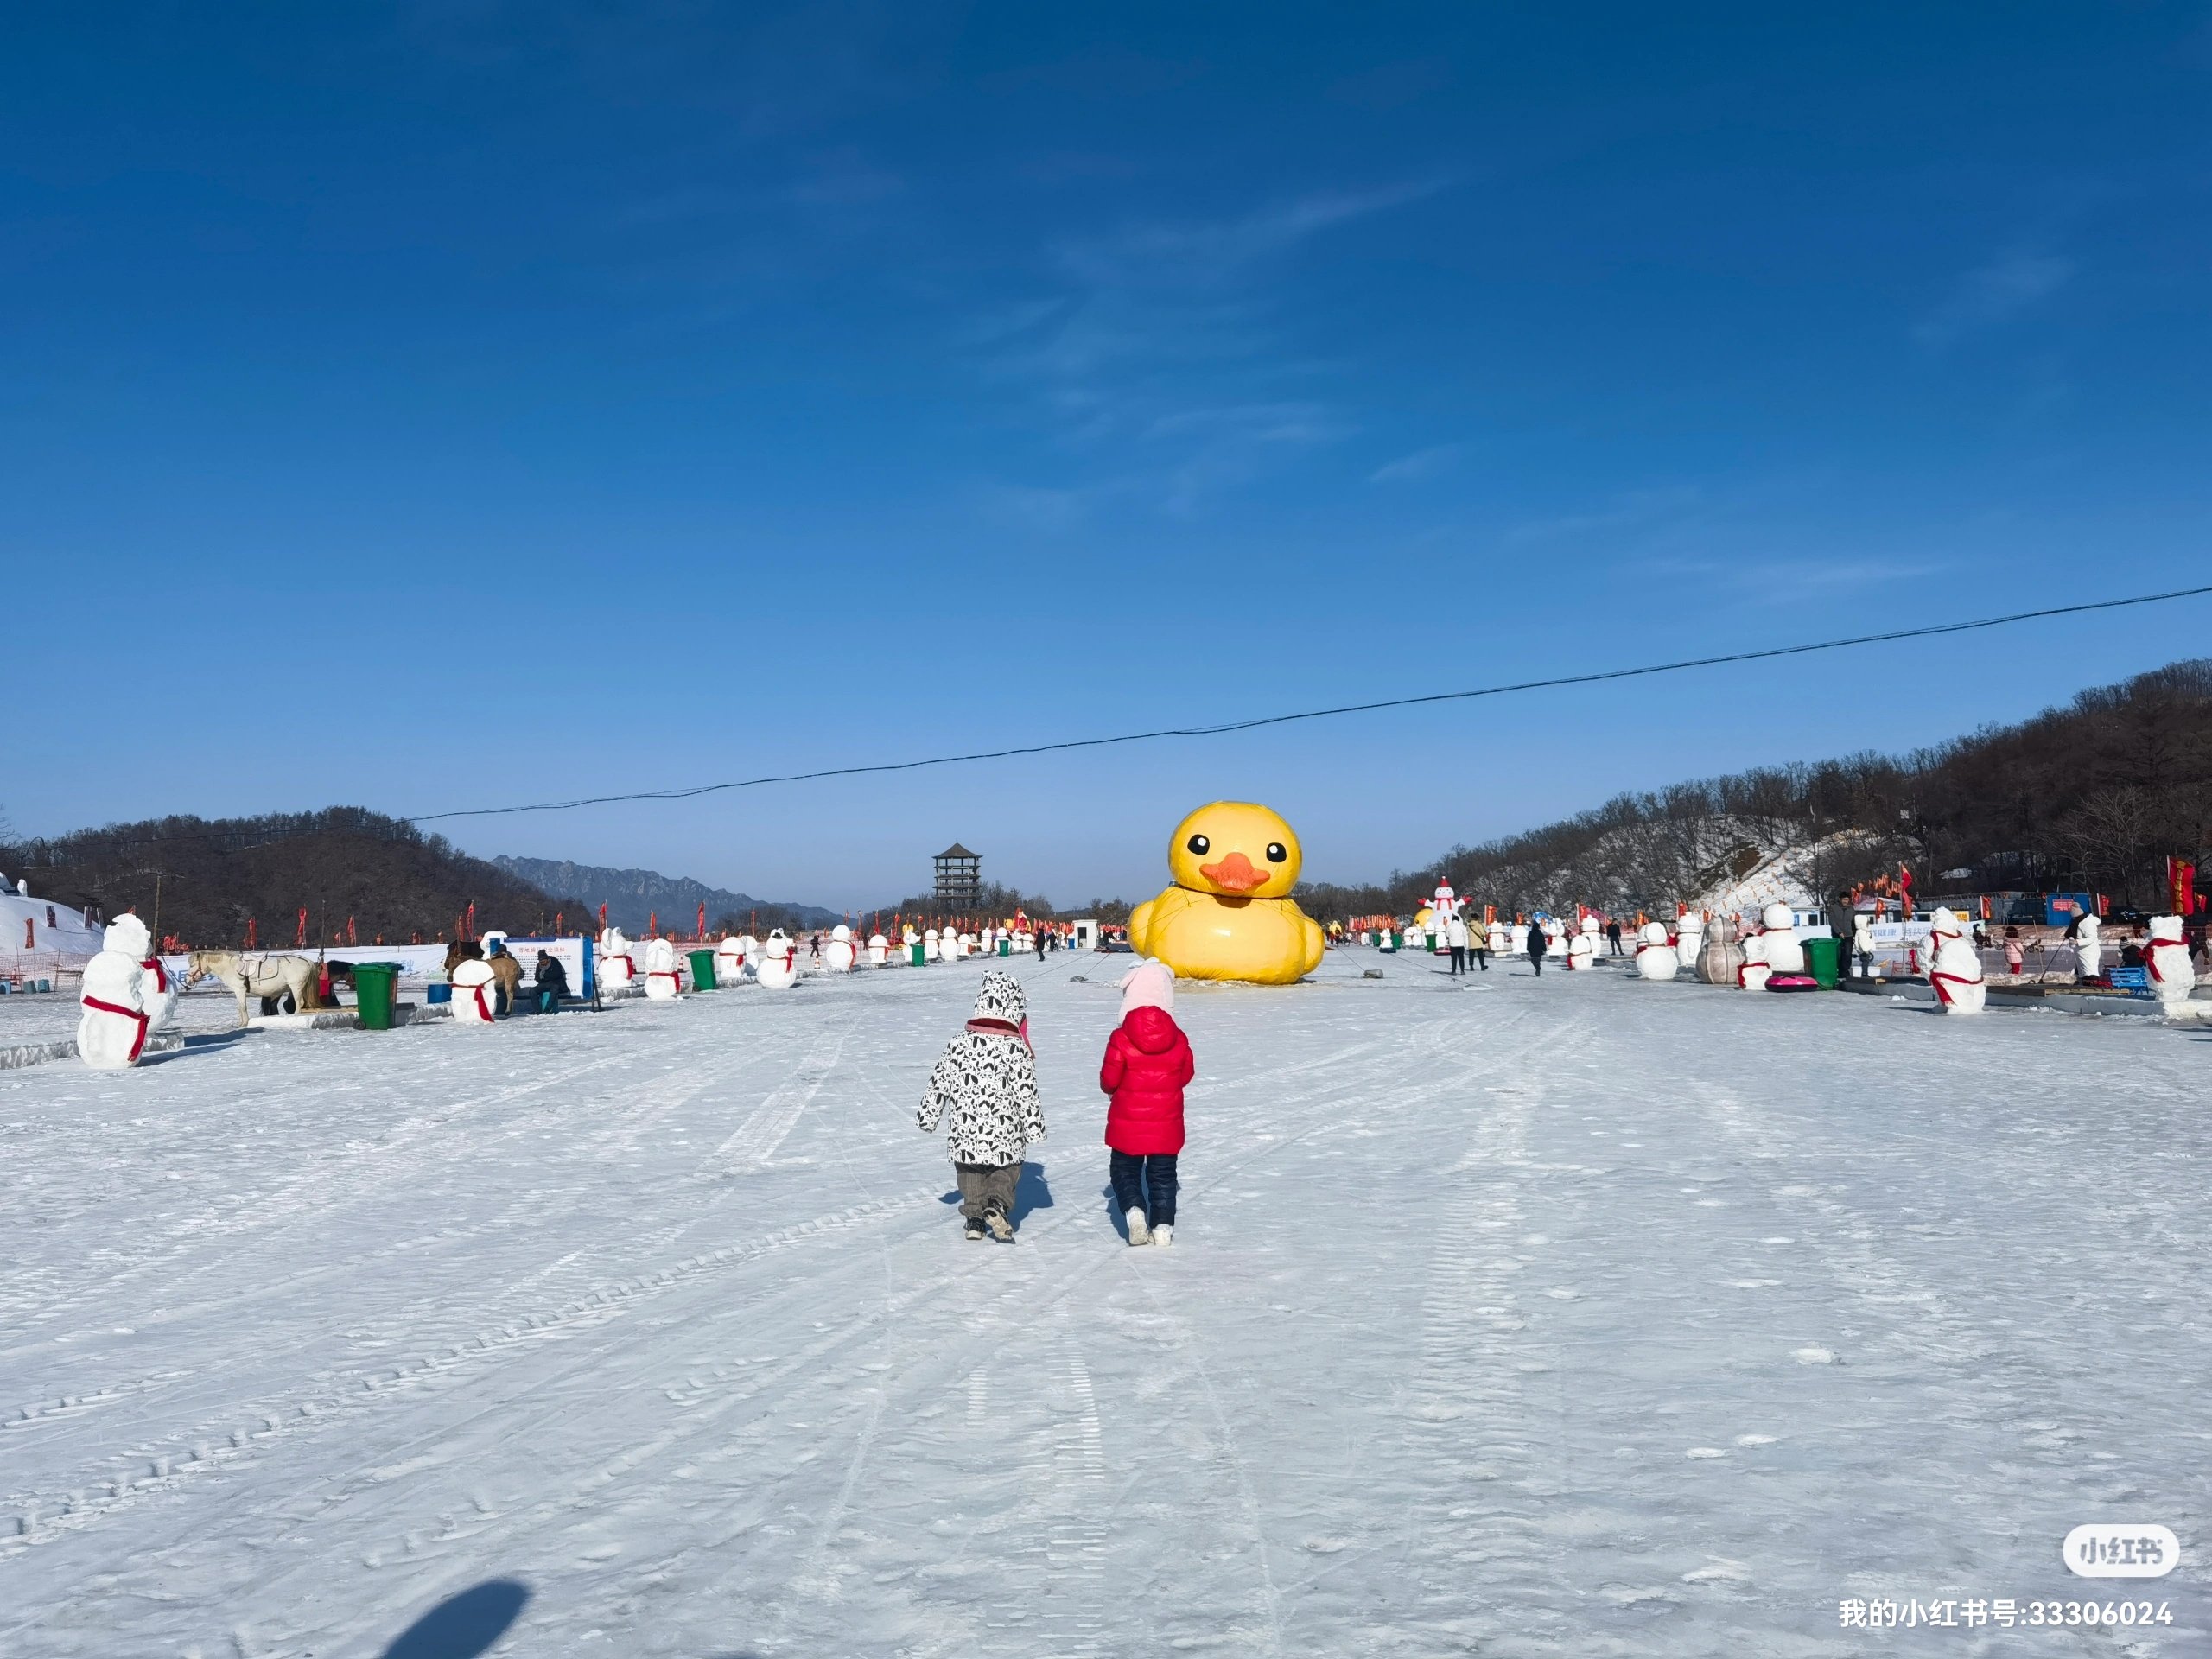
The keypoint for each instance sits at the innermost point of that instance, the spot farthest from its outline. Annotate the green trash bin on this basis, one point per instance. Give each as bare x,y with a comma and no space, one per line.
1006,947
914,953
703,969
1821,957
374,986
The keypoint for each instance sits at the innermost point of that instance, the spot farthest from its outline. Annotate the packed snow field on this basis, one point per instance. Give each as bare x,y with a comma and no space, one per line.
1571,1316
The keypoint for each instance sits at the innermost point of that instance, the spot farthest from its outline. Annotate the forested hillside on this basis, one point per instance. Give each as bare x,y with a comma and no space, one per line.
200,879
633,897
2093,795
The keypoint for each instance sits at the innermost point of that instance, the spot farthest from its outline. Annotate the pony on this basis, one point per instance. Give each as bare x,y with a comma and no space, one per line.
507,972
270,978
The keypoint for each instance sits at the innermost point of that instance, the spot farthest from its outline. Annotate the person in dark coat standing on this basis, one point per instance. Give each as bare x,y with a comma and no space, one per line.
1147,1062
1537,945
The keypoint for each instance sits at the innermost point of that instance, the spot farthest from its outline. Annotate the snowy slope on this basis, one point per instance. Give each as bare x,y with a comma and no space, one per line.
1574,1316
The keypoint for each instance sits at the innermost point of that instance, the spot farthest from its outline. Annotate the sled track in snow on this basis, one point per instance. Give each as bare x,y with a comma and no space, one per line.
143,1470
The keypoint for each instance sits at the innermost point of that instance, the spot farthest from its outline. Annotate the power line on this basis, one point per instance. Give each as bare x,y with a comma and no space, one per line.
1227,727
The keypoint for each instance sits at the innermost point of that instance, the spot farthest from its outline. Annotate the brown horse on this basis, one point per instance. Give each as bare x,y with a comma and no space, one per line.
507,972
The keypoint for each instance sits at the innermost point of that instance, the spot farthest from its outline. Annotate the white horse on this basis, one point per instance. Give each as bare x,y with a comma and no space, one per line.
260,975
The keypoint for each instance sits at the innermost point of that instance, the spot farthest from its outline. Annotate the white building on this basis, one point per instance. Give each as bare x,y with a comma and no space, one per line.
40,940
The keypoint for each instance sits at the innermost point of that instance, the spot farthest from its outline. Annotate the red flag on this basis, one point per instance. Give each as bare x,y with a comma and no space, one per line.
349,930
652,924
249,932
2181,885
703,920
1904,891
602,919
472,921
302,939
557,915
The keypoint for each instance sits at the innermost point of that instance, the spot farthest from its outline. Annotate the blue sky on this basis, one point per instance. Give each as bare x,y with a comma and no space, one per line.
455,404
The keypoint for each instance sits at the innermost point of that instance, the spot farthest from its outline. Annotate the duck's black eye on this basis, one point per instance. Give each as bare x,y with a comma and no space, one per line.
1276,852
1199,845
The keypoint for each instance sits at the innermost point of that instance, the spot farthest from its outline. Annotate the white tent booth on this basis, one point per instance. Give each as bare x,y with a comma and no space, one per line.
40,940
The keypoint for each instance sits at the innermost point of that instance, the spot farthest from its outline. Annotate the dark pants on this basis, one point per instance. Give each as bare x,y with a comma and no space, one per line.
1458,958
986,1187
1481,958
1135,1171
1536,960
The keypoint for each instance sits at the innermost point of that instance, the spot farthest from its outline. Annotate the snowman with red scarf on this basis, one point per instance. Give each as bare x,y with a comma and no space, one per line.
112,1031
2165,959
616,967
1955,966
1656,959
663,978
475,993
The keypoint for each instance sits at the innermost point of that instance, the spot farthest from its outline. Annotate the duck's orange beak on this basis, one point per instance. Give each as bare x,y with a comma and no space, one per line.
1235,873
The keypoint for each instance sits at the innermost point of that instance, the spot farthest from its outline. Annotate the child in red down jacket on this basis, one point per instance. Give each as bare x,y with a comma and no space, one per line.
1148,1062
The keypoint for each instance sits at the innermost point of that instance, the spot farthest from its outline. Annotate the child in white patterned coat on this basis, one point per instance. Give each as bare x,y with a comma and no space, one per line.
986,1084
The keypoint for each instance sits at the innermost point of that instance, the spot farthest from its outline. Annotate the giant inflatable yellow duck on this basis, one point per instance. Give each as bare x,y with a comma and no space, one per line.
1229,914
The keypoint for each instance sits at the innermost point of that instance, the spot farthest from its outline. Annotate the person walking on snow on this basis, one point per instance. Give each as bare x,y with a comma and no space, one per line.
1455,936
1538,943
986,1084
1147,1062
1613,936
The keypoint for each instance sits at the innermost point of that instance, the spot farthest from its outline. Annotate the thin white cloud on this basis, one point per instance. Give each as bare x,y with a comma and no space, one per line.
1422,463
1213,250
1993,295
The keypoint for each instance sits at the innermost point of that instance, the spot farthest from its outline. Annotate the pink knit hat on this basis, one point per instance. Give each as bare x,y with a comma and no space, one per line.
1148,985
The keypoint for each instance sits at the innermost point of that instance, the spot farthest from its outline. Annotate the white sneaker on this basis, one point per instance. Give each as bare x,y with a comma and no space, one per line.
1139,1233
1163,1235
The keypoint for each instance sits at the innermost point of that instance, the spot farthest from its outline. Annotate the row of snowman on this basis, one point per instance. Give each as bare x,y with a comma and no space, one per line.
1767,956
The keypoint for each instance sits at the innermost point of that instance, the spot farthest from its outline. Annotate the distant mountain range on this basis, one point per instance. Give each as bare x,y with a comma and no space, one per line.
632,897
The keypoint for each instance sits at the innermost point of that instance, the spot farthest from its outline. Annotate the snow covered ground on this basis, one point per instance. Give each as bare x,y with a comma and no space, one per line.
1575,1316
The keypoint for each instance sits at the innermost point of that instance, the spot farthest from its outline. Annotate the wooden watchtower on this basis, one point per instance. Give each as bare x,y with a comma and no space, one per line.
959,877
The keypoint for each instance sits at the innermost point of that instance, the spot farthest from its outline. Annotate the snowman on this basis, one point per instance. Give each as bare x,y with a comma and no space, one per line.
932,945
1517,939
1596,931
1445,904
838,958
1689,943
2165,958
1785,952
1554,937
1955,966
2086,947
618,969
1417,935
112,1029
1722,957
1862,945
1581,950
1656,959
729,961
910,946
475,992
663,978
1752,968
778,964
879,951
